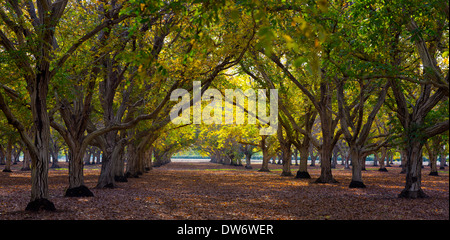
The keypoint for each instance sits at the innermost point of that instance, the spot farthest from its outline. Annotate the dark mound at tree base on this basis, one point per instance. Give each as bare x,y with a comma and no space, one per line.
81,191
412,194
304,175
40,204
263,170
120,179
286,174
383,169
321,180
131,175
356,184
109,185
248,167
433,174
6,170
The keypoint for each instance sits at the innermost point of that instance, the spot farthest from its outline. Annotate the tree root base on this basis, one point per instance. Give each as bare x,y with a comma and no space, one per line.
303,175
286,174
357,184
40,204
81,191
120,179
412,194
321,180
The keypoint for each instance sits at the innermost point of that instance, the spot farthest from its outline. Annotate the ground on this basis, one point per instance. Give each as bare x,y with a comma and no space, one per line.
184,190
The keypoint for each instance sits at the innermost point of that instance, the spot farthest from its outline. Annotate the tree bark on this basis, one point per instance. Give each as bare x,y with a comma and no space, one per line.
357,159
76,177
287,158
265,152
8,156
106,178
303,168
413,170
325,165
26,161
442,161
40,157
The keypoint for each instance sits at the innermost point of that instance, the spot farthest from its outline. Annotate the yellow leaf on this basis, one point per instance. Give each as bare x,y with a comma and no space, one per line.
287,38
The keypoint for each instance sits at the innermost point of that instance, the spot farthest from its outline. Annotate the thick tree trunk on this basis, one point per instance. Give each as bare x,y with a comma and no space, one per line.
148,164
8,156
382,159
357,159
76,177
287,158
334,158
40,158
119,161
433,163
54,154
403,156
413,171
441,161
109,156
106,178
325,165
26,161
303,169
248,163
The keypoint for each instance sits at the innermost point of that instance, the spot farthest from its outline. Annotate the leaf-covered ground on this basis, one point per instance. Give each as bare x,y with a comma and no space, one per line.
211,191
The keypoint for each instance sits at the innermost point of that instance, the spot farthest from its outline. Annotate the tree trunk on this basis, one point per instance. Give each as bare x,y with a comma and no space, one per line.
148,165
2,155
403,156
106,178
347,160
76,177
287,158
87,156
364,160
334,157
119,161
433,162
382,160
357,159
325,165
8,156
40,157
248,157
441,161
413,170
26,161
296,156
54,153
265,152
303,169
313,156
